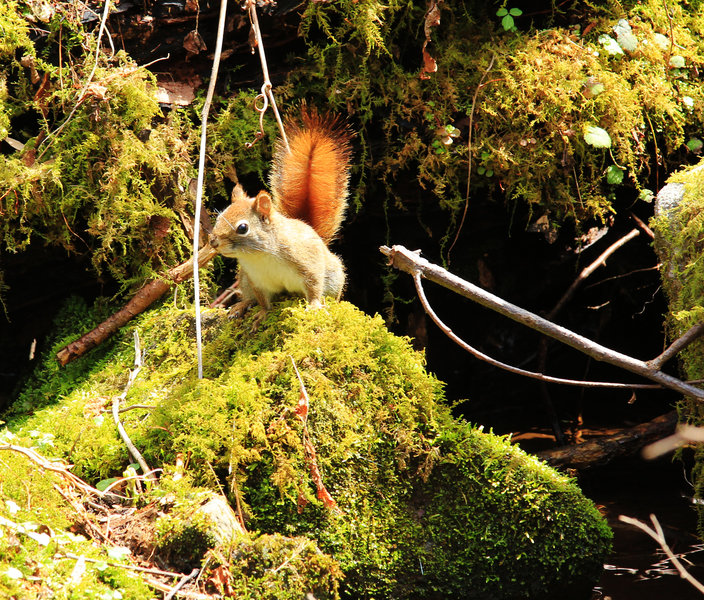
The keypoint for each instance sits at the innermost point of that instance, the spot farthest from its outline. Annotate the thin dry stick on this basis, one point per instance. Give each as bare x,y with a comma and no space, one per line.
54,467
687,338
588,270
103,21
184,580
412,263
201,172
492,361
70,556
136,454
657,534
543,344
469,152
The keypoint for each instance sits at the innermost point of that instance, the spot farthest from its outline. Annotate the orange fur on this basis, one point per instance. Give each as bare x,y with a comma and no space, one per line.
309,182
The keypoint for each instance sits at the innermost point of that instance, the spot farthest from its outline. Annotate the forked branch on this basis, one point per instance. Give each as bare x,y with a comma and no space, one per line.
412,263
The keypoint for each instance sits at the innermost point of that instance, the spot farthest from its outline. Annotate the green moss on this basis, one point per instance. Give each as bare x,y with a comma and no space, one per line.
428,506
41,541
680,245
537,89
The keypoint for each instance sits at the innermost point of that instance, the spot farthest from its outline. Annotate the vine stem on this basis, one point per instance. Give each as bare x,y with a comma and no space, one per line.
199,189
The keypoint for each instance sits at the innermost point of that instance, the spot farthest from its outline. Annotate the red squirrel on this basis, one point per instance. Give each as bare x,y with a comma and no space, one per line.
280,239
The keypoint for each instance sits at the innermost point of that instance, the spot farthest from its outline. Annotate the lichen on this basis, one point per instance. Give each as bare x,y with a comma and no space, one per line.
419,505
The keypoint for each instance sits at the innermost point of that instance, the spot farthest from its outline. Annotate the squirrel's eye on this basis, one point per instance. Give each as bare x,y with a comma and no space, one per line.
242,228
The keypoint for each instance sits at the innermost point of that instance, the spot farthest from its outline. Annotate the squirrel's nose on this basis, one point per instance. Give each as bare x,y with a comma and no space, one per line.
213,240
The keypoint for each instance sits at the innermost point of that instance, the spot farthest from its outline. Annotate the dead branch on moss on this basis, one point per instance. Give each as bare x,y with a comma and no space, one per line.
136,454
54,466
657,534
149,293
410,262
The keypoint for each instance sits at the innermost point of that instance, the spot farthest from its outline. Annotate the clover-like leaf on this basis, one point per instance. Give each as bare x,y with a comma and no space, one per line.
597,137
614,175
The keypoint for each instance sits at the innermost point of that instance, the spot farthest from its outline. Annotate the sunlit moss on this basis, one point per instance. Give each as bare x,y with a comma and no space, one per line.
426,505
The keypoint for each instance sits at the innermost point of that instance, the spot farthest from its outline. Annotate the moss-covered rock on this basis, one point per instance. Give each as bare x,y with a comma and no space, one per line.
679,241
410,502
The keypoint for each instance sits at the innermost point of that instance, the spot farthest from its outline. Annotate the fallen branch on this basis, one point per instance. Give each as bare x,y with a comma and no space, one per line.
566,297
136,454
657,534
601,451
410,262
145,297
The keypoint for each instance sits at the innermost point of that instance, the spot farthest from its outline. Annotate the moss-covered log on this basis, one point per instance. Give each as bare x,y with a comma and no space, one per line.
423,505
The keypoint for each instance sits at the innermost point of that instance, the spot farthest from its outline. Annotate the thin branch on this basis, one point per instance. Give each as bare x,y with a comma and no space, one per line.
70,556
149,293
469,152
412,263
657,534
201,172
680,343
588,270
492,361
103,21
136,454
53,466
685,434
184,580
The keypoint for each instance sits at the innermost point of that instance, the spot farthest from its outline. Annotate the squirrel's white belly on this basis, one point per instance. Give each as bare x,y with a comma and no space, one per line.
271,274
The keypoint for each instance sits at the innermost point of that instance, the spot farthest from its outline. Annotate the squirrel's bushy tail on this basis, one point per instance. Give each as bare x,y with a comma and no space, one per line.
309,181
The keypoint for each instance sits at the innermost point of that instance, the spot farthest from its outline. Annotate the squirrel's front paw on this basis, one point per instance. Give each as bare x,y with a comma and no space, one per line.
238,309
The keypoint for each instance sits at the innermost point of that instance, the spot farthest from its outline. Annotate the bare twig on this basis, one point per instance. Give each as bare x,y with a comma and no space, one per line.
184,580
492,361
152,571
412,263
149,293
469,152
53,466
566,297
201,172
136,454
657,534
588,270
81,95
692,334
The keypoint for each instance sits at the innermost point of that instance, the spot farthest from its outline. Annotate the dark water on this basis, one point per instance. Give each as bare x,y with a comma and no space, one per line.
638,569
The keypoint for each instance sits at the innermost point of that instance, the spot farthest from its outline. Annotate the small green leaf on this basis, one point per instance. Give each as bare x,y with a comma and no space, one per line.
597,137
507,23
481,170
502,12
489,173
105,484
695,144
516,12
646,195
614,175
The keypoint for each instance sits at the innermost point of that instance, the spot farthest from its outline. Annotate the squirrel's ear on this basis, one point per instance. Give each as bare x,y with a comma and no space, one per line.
238,193
262,205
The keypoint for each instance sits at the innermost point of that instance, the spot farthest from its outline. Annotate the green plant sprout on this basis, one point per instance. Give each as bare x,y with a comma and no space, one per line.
507,15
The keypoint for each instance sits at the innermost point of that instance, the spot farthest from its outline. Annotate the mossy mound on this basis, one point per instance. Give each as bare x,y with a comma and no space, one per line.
679,241
410,502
